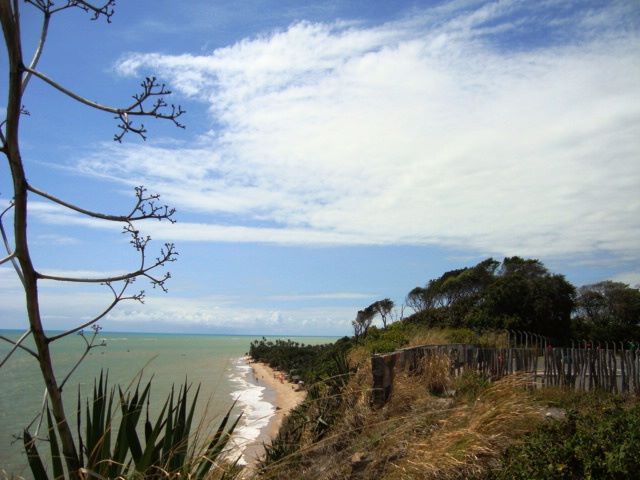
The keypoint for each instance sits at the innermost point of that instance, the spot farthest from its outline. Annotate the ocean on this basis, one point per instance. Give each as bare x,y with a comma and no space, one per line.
213,361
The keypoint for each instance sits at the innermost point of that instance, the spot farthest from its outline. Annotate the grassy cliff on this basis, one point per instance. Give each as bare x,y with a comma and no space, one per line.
436,426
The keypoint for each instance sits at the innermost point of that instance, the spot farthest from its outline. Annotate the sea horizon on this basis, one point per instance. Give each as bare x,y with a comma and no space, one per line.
256,335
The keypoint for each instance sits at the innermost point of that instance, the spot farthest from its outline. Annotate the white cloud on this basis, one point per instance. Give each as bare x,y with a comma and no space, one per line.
425,131
630,278
174,313
55,239
224,314
322,296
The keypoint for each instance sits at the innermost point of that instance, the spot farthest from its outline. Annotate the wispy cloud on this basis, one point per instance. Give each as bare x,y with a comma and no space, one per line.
221,314
208,313
55,239
322,296
175,313
630,278
444,128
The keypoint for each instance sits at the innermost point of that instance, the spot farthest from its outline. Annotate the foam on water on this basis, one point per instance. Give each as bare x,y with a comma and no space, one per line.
257,412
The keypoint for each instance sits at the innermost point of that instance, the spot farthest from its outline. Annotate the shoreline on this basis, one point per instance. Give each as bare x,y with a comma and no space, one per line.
284,397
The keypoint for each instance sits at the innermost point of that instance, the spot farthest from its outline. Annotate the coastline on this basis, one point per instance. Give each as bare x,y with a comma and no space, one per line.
280,394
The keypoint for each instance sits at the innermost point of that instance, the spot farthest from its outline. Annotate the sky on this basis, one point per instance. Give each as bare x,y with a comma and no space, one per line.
335,153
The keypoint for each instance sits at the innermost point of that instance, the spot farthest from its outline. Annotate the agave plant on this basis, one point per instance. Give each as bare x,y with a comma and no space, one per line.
163,452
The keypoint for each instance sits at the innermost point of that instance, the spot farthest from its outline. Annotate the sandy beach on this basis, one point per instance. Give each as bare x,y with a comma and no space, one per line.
286,397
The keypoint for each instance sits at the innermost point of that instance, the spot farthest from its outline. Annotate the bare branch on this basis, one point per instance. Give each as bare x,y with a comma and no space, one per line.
7,258
72,94
38,51
7,245
118,297
47,6
89,346
17,344
145,207
150,88
40,416
3,139
167,254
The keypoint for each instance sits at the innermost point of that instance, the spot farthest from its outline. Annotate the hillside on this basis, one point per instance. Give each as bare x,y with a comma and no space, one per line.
438,426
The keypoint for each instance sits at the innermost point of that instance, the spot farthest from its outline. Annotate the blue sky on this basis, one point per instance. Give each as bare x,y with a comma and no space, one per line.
335,153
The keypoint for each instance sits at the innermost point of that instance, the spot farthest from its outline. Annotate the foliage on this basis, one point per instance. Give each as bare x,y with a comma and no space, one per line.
607,311
410,333
469,385
311,362
602,441
309,421
363,321
383,308
437,426
516,294
364,318
164,451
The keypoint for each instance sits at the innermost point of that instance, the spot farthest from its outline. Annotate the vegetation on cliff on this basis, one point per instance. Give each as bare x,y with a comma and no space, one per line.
444,427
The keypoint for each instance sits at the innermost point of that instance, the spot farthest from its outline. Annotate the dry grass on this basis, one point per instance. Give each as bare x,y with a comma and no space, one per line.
494,339
425,431
432,336
472,434
417,434
359,356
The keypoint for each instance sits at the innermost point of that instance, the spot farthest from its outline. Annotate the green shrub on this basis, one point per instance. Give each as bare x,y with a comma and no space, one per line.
601,442
470,384
462,335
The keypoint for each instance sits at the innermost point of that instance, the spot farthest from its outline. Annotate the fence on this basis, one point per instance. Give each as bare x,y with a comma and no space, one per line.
610,367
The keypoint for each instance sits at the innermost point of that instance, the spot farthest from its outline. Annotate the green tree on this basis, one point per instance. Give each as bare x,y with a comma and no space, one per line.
526,296
517,293
363,321
383,308
456,292
608,311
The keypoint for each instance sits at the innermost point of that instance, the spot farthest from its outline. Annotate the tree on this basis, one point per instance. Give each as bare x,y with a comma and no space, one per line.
456,291
608,311
526,296
517,293
416,300
363,321
383,308
149,102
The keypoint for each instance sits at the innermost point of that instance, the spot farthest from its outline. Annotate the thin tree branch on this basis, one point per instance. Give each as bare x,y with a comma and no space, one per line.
89,346
3,140
167,255
105,10
17,344
118,297
38,51
145,207
39,416
150,88
45,397
72,94
8,258
7,245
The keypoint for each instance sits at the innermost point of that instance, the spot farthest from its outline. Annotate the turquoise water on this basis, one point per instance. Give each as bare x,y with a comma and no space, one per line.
209,360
